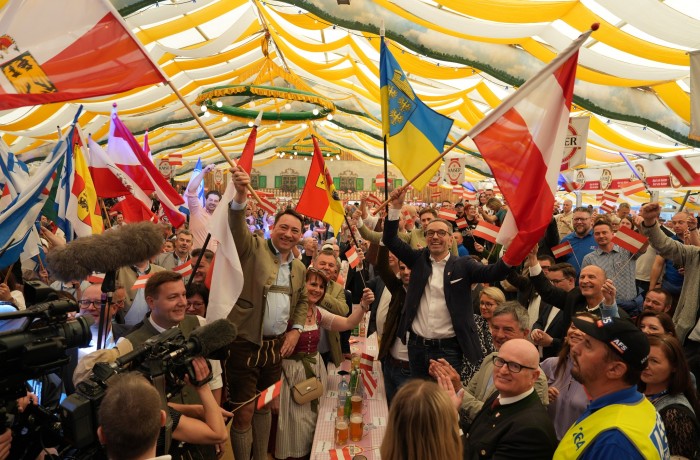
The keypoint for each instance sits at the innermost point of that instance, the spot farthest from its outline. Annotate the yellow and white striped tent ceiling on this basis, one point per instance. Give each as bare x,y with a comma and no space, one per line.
462,58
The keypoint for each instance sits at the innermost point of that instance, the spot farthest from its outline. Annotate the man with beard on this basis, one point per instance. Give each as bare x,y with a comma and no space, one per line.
619,422
581,239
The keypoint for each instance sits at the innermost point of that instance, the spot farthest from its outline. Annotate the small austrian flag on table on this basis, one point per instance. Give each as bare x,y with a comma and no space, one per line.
369,381
184,269
447,214
629,239
366,362
633,187
563,249
141,282
462,223
487,231
353,258
340,454
268,394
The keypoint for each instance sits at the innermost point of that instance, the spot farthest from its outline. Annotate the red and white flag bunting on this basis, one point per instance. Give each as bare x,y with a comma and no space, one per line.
184,269
366,362
629,239
447,214
435,195
340,454
633,187
532,122
563,249
683,171
462,223
353,258
175,159
96,278
268,394
468,195
141,281
487,231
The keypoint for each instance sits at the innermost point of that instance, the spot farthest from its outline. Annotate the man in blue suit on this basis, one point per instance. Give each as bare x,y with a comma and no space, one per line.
437,317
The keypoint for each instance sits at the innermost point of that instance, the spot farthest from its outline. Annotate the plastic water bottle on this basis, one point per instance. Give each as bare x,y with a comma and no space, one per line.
342,392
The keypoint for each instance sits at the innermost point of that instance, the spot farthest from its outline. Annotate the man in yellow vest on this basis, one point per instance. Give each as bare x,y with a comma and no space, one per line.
619,422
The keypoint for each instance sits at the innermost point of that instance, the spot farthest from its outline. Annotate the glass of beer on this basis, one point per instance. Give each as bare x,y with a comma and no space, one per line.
356,423
342,431
356,401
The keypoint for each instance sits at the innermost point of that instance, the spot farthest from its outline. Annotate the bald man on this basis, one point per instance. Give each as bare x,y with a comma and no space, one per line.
513,422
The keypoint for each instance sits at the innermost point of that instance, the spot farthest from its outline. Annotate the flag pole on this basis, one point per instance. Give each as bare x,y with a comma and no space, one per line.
354,240
501,109
382,33
230,161
104,209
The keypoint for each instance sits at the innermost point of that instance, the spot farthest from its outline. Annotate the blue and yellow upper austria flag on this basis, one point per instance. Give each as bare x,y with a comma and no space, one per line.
415,133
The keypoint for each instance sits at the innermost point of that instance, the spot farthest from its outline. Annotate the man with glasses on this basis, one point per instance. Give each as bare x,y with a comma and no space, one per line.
513,422
90,305
436,315
581,239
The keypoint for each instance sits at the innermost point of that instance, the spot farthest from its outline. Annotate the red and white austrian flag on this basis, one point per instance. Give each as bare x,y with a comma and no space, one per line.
683,171
487,231
610,196
629,239
462,223
268,394
563,249
372,199
468,195
175,159
266,205
607,207
184,269
379,181
367,362
340,454
457,189
633,187
370,382
141,281
353,258
96,278
448,214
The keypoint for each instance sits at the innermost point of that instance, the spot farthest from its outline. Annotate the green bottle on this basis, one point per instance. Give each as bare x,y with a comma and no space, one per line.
348,405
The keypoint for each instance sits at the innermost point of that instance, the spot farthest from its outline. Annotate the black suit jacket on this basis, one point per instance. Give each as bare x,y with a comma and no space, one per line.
460,273
522,430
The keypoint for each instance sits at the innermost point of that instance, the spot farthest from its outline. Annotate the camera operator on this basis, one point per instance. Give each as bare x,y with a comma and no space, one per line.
131,398
165,296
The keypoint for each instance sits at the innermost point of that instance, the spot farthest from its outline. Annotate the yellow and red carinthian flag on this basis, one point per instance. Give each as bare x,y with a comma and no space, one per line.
87,207
318,200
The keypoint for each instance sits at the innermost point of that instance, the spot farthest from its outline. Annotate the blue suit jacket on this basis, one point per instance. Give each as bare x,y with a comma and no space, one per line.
460,273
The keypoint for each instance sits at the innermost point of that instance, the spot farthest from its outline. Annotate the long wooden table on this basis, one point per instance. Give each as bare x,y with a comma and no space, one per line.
375,409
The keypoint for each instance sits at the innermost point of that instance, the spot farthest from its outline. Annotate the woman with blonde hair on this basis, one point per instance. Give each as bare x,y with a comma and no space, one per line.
422,424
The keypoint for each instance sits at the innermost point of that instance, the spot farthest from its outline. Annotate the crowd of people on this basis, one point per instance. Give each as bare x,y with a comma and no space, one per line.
592,355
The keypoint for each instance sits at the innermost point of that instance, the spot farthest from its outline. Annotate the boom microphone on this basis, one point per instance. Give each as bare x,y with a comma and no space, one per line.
212,337
116,248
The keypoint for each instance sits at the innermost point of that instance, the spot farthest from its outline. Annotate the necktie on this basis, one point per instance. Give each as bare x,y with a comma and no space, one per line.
495,404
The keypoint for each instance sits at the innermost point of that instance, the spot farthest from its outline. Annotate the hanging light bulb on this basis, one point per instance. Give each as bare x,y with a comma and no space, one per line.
278,125
252,104
295,153
288,106
315,111
204,107
224,119
205,114
329,117
250,124
305,159
304,126
337,157
219,104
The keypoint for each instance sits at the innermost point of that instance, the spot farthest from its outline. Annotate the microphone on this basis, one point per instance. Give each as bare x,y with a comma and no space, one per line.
208,339
116,248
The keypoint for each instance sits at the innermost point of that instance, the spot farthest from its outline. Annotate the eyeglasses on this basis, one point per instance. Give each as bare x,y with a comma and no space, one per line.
432,233
195,304
580,219
85,303
512,366
557,281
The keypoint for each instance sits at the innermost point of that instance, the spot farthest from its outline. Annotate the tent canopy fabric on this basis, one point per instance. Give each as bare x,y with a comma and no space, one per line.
462,58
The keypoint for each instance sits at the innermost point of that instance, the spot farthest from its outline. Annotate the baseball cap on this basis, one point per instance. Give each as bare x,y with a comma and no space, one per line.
623,337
